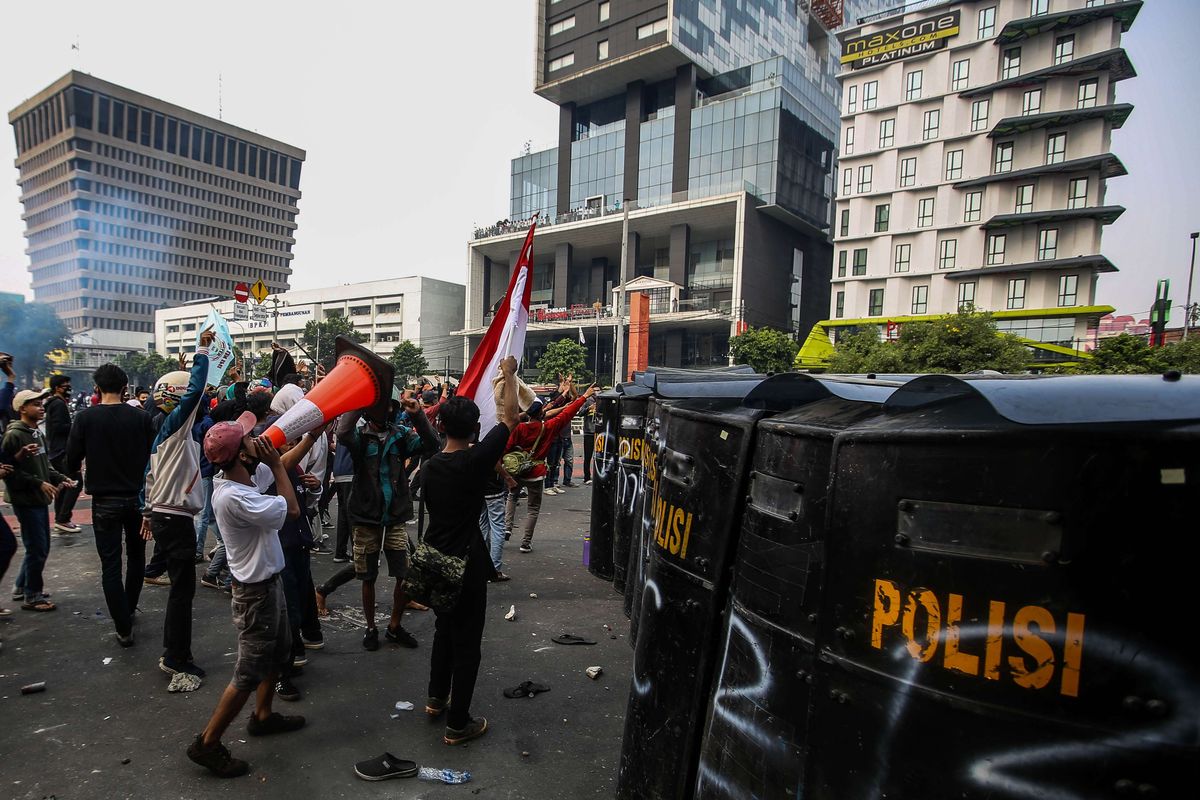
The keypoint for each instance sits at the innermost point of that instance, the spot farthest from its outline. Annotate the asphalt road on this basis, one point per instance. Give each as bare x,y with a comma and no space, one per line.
106,727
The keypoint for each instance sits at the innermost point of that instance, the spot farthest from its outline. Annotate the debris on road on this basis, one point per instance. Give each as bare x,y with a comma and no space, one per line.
512,613
183,682
594,672
34,688
443,775
404,705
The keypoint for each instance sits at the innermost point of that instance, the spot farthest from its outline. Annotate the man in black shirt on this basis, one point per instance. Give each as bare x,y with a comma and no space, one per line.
454,484
115,439
58,429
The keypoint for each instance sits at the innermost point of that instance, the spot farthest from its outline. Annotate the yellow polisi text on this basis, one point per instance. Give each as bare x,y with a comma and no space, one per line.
672,527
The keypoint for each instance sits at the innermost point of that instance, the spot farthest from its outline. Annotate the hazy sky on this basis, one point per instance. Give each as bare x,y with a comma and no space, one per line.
410,117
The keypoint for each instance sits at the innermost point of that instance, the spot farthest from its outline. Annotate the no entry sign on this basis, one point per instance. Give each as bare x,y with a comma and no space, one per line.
241,292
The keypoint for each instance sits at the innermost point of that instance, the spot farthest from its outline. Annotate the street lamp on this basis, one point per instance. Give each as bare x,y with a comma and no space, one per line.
1187,311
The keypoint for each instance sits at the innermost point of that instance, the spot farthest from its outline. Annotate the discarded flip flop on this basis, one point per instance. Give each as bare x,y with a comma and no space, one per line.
385,766
570,638
526,689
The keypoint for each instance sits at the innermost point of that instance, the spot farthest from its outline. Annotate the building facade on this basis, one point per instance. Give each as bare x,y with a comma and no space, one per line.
713,126
132,204
976,146
424,311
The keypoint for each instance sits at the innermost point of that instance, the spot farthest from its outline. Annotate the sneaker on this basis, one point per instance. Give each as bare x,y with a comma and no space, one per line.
326,520
588,482
500,577
66,527
321,549
209,582
217,759
340,559
385,766
434,706
299,658
371,639
18,594
286,690
276,723
568,485
171,667
157,580
126,640
525,548
523,493
199,558
315,643
400,636
473,730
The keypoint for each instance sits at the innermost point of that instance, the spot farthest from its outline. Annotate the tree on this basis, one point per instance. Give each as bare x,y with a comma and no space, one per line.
318,339
1183,356
30,331
765,349
144,369
956,343
563,357
409,361
1125,354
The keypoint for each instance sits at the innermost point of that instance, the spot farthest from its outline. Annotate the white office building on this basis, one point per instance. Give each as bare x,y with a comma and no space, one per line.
976,144
418,309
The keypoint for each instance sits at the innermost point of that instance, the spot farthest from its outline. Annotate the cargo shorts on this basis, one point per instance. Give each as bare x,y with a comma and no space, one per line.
368,540
264,635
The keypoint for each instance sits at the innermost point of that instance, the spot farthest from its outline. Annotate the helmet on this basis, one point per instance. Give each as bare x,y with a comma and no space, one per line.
169,390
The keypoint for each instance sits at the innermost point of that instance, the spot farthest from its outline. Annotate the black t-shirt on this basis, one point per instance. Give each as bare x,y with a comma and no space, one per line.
115,439
454,486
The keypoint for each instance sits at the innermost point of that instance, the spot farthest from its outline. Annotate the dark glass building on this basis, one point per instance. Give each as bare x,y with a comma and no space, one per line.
132,204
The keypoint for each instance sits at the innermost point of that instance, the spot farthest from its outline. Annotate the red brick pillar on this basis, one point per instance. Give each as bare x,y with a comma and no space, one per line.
639,333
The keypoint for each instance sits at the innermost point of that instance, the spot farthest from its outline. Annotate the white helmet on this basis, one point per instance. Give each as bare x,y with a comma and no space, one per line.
170,389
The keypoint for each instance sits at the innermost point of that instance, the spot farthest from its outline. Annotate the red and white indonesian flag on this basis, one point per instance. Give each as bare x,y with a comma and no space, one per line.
505,337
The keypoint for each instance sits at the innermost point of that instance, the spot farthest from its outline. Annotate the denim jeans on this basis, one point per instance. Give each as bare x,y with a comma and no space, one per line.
116,520
205,518
567,451
35,535
8,546
218,568
491,525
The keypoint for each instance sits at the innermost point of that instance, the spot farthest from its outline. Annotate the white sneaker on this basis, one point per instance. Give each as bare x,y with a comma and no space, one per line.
66,527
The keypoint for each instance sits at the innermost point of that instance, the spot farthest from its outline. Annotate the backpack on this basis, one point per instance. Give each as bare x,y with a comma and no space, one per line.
518,463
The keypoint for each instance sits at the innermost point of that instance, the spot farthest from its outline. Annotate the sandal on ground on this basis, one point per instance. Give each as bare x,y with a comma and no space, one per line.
385,766
5,612
526,689
41,604
570,638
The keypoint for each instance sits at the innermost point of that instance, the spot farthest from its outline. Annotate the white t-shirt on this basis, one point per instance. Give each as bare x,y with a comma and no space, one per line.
249,522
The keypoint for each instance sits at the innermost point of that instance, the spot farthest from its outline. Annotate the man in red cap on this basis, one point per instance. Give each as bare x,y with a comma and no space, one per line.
249,521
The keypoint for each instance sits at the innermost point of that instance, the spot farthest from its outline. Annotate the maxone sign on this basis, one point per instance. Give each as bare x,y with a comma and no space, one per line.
893,44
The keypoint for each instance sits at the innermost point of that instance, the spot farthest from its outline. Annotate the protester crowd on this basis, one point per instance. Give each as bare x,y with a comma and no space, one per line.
172,464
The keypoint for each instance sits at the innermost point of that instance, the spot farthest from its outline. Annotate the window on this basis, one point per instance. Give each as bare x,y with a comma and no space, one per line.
987,22
1004,158
1031,102
602,49
908,171
947,253
1048,244
842,264
887,132
1068,290
1077,193
1016,293
903,257
1086,97
864,177
960,74
1010,64
912,85
651,28
954,161
604,11
925,212
1024,204
852,100
845,227
973,207
1064,48
966,296
979,114
920,299
562,25
860,262
849,148
870,94
360,311
839,308
847,179
875,304
932,122
562,61
1056,148
995,249
1039,7
882,214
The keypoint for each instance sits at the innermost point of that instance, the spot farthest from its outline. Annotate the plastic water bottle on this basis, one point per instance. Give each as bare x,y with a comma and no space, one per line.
443,775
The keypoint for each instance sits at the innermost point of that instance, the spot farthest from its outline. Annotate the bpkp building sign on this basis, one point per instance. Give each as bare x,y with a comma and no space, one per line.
912,39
